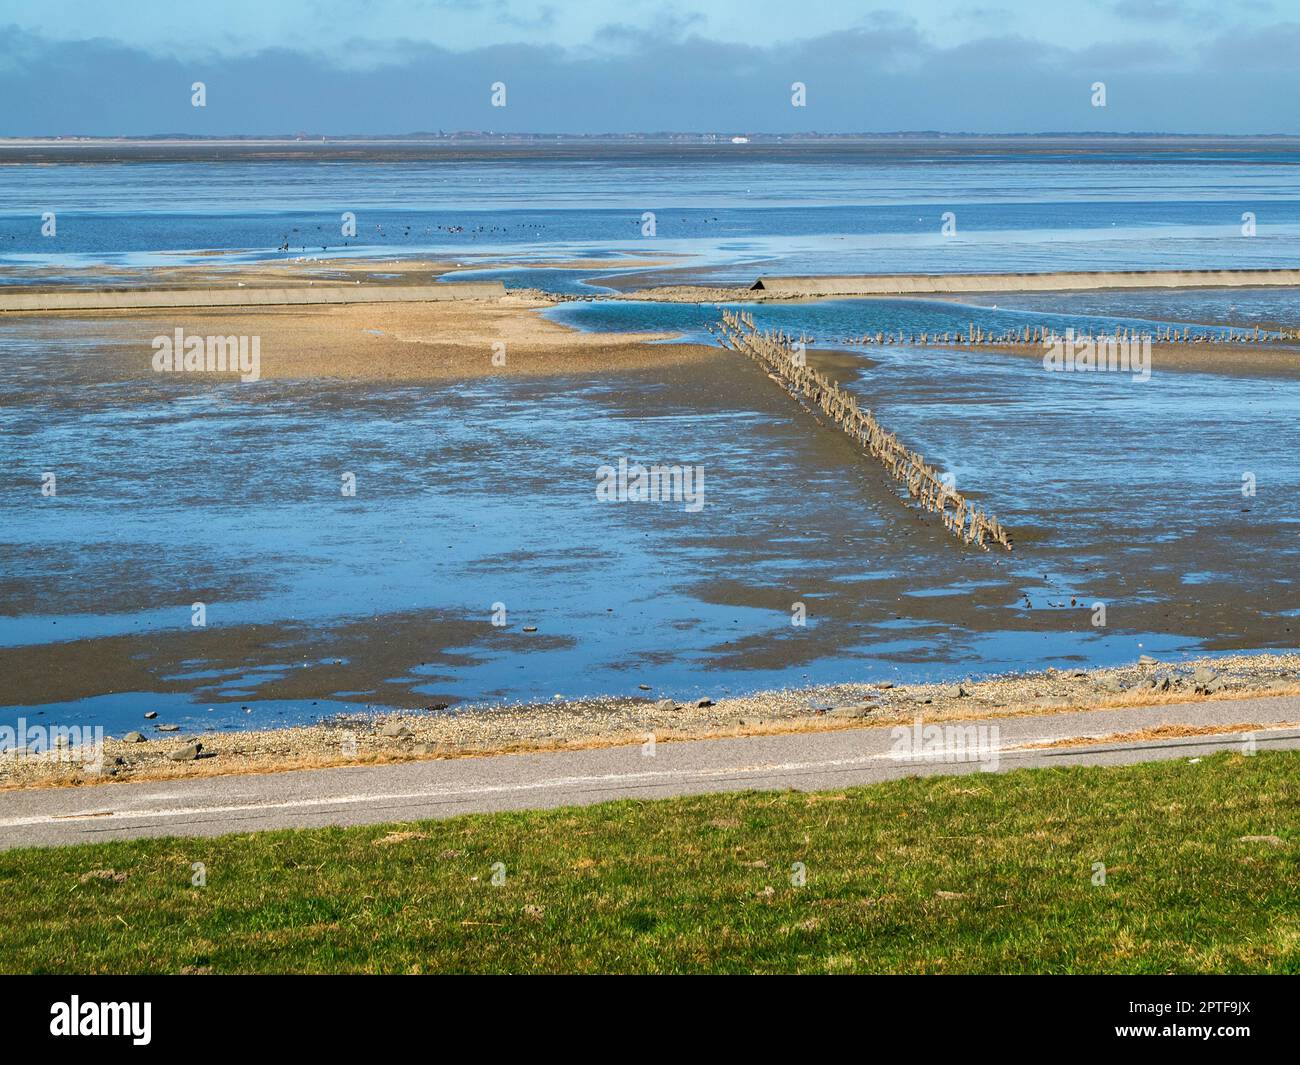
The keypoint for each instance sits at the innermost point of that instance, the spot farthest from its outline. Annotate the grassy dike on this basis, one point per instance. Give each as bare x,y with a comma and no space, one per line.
976,873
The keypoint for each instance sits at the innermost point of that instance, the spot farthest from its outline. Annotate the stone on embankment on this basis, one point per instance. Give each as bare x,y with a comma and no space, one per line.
188,753
850,711
1206,681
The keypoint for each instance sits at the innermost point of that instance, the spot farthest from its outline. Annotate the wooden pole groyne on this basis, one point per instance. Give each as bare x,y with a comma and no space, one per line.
1046,336
777,355
1055,281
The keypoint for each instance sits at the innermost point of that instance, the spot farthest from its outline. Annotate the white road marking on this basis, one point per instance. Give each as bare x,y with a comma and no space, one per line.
451,792
446,793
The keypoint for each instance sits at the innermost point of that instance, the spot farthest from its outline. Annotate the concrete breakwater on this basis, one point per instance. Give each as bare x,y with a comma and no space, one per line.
783,361
249,296
932,284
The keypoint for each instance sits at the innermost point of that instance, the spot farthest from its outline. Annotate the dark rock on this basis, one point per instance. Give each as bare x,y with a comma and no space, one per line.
1206,680
188,753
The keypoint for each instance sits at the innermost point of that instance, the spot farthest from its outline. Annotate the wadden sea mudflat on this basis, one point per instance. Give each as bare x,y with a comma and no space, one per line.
343,367
400,512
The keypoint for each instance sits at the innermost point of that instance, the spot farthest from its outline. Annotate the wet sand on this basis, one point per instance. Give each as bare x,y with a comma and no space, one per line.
387,342
1255,359
221,269
392,342
916,582
374,660
1251,360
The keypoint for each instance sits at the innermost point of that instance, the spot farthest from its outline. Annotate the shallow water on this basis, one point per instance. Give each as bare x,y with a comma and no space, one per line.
1236,306
475,493
842,320
480,493
1088,454
728,221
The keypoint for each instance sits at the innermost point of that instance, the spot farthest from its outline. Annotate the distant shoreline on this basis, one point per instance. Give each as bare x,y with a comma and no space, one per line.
740,145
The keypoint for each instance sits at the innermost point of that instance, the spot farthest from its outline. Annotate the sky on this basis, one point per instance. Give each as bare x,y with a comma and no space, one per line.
86,67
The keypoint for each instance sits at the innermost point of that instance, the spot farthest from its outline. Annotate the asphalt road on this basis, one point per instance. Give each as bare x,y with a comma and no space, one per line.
416,790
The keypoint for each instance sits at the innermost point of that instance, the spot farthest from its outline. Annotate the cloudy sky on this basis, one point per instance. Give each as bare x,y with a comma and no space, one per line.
590,66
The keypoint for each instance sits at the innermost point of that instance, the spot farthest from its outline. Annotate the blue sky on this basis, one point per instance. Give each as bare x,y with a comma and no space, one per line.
392,66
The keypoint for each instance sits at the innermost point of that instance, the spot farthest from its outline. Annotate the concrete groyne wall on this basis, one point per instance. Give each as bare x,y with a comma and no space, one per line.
778,355
934,284
144,298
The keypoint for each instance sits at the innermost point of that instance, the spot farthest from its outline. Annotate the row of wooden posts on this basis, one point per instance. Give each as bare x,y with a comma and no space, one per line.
1043,335
783,361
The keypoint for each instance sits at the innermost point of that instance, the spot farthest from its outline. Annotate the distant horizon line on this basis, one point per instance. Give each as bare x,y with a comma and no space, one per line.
701,137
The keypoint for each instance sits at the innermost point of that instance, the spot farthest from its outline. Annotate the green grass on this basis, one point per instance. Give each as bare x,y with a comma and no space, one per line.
703,884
